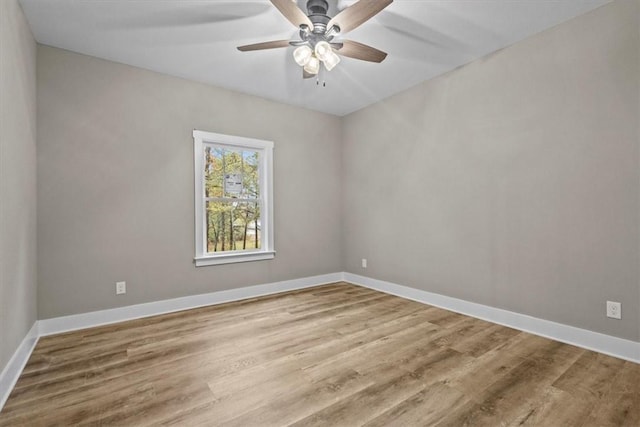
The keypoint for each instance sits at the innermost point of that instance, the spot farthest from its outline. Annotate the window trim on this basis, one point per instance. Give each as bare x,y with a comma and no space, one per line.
265,148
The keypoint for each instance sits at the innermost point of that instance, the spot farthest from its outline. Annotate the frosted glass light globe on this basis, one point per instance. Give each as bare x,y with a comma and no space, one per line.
313,66
323,50
302,55
331,61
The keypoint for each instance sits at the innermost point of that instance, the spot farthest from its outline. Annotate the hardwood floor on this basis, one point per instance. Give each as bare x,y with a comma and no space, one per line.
335,355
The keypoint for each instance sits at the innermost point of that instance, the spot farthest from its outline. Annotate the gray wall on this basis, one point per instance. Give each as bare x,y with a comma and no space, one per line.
511,182
115,184
17,179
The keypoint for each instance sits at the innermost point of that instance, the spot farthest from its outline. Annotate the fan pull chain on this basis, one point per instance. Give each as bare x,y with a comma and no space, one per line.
324,82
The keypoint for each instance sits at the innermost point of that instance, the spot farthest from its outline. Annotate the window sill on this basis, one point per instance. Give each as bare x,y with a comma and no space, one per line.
234,258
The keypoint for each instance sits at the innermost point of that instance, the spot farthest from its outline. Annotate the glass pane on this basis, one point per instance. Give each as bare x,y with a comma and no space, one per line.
251,174
213,171
231,173
233,176
233,226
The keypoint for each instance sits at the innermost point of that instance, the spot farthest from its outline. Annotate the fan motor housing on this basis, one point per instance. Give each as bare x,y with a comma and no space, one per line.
317,12
317,7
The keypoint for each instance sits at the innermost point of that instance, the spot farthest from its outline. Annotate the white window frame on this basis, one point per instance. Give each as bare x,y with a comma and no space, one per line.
203,139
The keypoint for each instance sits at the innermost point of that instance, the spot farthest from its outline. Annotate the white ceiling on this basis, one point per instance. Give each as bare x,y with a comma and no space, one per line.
197,40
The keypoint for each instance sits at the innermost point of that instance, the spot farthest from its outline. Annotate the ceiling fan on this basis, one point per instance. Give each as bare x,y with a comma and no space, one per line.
317,31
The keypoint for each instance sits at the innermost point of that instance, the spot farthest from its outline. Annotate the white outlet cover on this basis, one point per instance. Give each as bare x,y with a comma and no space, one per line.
121,288
614,310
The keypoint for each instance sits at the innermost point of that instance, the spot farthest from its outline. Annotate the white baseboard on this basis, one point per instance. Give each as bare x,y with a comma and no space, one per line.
18,361
74,322
612,346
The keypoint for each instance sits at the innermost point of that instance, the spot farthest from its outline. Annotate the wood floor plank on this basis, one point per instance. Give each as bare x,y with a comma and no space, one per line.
369,352
367,403
337,354
427,407
590,376
312,356
621,405
519,389
485,340
554,407
335,388
475,375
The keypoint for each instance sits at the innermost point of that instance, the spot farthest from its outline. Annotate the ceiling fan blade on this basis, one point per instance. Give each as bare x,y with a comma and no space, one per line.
306,75
264,45
358,13
293,13
361,51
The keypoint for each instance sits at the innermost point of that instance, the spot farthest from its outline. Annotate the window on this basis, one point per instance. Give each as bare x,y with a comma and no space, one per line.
234,199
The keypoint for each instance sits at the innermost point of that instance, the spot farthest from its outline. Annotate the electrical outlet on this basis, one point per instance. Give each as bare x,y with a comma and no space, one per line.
364,263
614,310
121,288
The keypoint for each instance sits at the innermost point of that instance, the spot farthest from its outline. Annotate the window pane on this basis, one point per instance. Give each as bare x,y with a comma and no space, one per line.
233,179
213,171
231,173
233,226
250,172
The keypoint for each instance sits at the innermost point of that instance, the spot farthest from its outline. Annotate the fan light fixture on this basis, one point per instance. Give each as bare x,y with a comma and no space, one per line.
302,55
331,61
323,50
312,66
310,58
316,45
